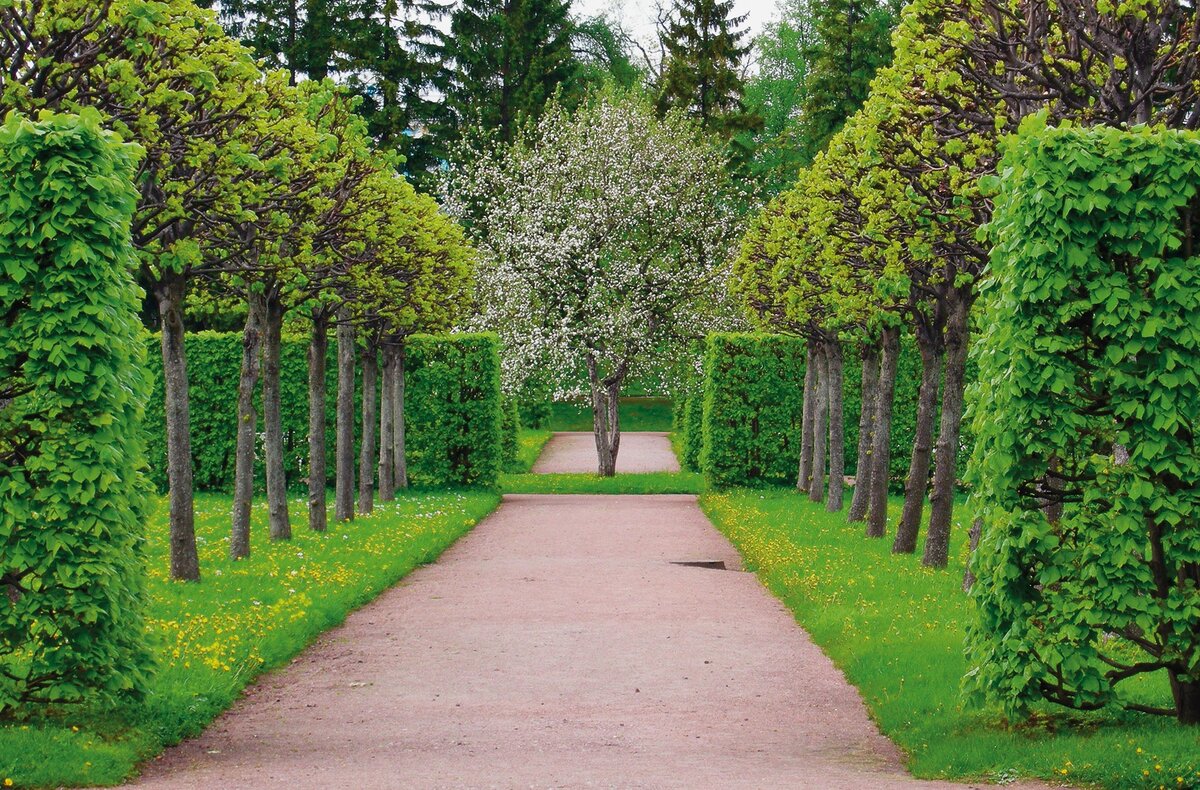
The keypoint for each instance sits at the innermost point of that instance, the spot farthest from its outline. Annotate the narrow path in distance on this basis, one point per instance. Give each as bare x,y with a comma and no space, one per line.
568,641
574,453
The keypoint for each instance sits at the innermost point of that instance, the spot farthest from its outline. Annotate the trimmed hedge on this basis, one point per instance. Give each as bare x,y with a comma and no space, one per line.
510,427
454,411
755,383
214,361
73,498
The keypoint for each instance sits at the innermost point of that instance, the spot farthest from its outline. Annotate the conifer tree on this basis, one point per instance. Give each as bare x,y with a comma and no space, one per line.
506,59
703,46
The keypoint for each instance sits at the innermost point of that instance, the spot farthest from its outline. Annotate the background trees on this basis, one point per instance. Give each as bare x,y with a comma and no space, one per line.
603,239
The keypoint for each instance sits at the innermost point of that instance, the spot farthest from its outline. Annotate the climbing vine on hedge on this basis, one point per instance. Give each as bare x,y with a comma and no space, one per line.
1087,467
72,393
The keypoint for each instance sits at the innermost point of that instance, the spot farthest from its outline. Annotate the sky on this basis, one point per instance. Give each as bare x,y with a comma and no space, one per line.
638,15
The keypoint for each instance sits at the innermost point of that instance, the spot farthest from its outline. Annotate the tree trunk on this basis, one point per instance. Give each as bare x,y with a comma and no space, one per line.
976,532
806,420
1187,698
185,561
941,499
606,417
881,450
820,425
917,482
247,429
387,399
366,456
344,485
318,476
834,368
866,427
399,463
277,504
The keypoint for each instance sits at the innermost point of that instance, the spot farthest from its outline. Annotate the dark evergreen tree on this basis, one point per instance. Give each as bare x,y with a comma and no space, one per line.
703,50
506,59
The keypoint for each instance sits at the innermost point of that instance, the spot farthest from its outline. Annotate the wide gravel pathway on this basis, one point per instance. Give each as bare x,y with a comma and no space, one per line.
560,644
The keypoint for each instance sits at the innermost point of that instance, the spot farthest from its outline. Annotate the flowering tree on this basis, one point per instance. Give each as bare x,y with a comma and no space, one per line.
604,239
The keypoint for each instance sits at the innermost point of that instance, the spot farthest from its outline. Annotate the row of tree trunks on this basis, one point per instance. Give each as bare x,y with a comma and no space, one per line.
399,462
366,458
344,475
387,402
866,431
807,419
279,523
318,350
881,455
929,344
941,498
247,428
823,442
835,371
819,423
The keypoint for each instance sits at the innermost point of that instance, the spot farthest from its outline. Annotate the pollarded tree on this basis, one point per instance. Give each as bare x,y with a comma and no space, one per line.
603,238
166,76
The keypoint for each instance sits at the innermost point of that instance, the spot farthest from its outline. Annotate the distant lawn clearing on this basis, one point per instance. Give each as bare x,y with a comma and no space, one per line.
896,629
637,414
213,638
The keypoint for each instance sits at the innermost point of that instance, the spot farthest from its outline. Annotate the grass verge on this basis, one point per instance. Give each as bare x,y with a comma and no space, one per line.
896,629
211,639
529,447
633,483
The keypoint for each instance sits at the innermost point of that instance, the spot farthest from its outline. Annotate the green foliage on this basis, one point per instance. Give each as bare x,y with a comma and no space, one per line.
1091,346
693,432
510,428
895,628
211,640
453,409
72,397
753,401
529,447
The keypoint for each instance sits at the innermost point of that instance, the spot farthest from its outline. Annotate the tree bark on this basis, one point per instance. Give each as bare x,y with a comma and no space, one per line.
366,457
834,367
881,451
1187,698
866,427
806,420
976,532
606,416
185,561
820,426
277,504
318,475
941,499
917,482
399,462
387,399
344,483
247,429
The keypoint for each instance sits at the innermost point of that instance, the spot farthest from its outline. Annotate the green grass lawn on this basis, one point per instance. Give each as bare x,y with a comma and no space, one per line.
896,629
631,483
529,447
636,414
211,639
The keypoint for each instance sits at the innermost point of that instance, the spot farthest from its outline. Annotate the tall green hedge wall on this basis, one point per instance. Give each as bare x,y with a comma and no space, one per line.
454,410
72,388
214,360
744,426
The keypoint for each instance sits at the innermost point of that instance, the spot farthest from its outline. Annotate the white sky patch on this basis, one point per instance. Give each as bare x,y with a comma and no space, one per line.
638,15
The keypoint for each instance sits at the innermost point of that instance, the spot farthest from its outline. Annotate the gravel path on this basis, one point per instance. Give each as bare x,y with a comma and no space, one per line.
557,645
576,452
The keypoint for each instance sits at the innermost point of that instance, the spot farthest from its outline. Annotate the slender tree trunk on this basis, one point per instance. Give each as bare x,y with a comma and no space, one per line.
807,419
820,426
917,482
387,399
247,429
866,427
881,451
976,532
835,364
941,499
1187,698
366,457
318,476
606,422
277,504
399,463
185,561
344,485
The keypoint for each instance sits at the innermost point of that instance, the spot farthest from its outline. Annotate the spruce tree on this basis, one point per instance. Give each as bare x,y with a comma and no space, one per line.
702,44
506,59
